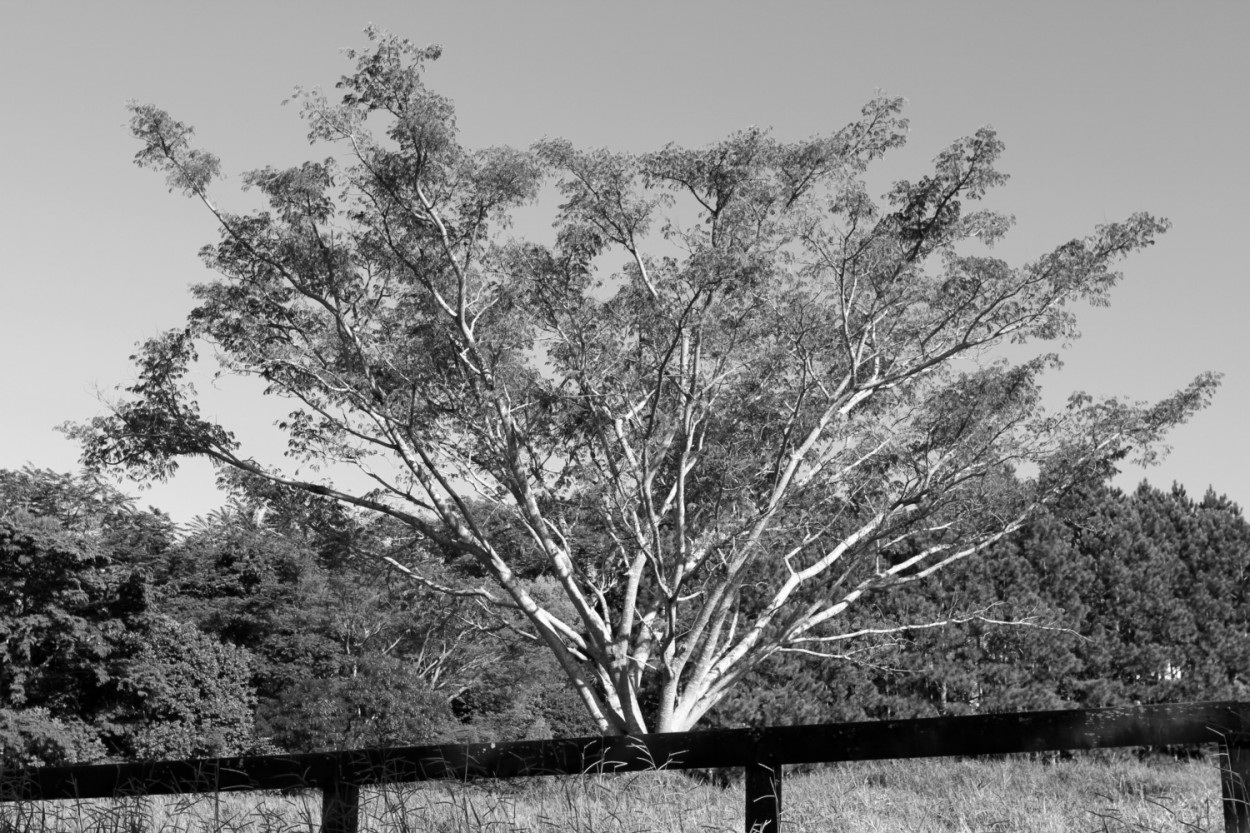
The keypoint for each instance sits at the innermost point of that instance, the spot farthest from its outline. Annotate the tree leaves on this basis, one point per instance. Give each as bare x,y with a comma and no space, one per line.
167,146
88,667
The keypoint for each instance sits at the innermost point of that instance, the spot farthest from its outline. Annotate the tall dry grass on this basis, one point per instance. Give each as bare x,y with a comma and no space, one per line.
1107,794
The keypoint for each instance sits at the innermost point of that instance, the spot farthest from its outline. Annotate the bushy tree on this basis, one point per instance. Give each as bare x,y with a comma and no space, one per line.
185,695
349,652
90,508
63,623
1181,589
385,703
33,737
717,410
88,667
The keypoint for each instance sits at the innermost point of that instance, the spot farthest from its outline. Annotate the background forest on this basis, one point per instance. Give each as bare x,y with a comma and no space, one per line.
272,625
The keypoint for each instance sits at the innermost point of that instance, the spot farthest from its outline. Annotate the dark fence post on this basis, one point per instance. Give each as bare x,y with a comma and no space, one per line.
1235,784
340,808
763,788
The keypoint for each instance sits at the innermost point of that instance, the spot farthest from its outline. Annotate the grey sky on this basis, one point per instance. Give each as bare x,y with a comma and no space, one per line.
1106,108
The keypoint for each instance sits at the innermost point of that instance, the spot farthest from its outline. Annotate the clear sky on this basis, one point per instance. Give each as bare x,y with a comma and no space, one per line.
1106,108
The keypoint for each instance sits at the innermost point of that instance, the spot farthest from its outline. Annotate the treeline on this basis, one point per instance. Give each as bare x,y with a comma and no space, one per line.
1110,599
271,624
284,623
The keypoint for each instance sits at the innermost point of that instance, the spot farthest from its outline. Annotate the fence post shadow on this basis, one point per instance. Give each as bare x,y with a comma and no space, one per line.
340,807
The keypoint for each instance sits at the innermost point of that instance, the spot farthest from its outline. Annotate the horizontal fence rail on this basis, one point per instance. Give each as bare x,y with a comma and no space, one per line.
762,752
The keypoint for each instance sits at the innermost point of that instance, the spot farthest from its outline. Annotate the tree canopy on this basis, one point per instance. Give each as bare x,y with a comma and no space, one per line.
735,396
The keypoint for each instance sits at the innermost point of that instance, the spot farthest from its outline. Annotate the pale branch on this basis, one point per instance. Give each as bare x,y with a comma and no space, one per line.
445,589
959,619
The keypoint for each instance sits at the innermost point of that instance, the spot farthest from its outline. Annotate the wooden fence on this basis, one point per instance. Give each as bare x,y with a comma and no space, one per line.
763,753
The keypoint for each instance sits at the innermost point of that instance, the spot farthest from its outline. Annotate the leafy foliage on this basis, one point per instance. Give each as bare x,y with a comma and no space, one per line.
349,653
63,621
187,696
87,665
33,737
1107,599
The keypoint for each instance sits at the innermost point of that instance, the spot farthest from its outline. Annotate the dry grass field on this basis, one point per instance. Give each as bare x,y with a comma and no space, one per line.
1096,794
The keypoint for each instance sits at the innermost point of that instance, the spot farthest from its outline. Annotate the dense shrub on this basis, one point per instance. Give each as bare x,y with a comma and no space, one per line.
33,737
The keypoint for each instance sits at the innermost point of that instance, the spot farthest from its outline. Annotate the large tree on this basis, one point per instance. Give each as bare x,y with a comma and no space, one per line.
734,396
